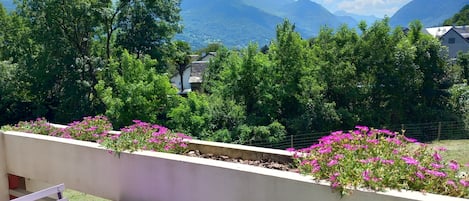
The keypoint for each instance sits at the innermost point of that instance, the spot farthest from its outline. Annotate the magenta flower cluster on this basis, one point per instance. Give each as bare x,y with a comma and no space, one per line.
145,136
139,136
379,160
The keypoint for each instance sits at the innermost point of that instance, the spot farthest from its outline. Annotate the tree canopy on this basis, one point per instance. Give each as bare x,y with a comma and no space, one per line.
66,60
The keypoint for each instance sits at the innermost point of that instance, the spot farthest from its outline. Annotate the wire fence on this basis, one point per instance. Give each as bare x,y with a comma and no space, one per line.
423,132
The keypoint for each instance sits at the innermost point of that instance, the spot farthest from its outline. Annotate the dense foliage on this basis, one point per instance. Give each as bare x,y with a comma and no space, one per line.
67,60
459,19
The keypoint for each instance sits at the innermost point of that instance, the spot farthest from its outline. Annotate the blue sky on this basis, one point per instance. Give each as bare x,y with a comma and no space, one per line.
378,8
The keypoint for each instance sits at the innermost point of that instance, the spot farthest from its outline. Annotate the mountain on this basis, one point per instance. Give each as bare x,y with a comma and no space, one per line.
231,22
369,19
429,12
8,4
310,16
270,6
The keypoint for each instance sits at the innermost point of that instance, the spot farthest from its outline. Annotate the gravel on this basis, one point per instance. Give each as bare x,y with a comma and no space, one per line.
260,163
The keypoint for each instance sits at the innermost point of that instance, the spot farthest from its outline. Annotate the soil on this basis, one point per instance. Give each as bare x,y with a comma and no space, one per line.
260,163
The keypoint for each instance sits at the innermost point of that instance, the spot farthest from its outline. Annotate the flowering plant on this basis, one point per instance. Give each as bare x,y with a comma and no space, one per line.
146,136
139,136
380,160
38,126
89,129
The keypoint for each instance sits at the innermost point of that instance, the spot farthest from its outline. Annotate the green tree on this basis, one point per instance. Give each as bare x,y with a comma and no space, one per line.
136,91
63,70
180,59
459,19
432,63
147,27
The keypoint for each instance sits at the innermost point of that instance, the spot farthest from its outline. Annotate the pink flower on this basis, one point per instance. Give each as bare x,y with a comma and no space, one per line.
364,161
411,140
377,179
453,165
436,173
387,132
362,128
409,160
441,149
437,156
349,147
366,175
291,149
339,156
420,175
390,162
181,135
451,183
332,163
135,141
335,184
334,176
464,182
325,150
437,166
373,141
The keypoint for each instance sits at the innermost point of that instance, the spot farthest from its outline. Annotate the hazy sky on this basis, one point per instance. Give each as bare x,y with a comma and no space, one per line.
379,8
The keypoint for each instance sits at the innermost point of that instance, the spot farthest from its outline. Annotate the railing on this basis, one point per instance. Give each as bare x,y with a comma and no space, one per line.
58,190
423,132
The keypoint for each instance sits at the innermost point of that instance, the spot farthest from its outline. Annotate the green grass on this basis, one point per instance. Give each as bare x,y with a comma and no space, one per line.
457,150
79,196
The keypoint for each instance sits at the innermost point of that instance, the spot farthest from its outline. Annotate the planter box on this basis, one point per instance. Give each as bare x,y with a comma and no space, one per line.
87,167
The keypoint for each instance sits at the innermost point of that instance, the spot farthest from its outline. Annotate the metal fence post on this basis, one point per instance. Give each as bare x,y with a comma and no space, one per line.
4,189
439,131
291,141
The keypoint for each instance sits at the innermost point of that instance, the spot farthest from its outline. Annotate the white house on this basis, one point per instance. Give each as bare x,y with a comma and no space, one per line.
456,38
192,76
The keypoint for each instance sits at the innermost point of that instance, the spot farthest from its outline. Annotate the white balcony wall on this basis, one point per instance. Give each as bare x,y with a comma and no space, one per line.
151,176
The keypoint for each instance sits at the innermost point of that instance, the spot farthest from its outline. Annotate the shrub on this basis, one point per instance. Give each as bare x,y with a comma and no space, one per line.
89,129
380,160
139,136
38,126
146,136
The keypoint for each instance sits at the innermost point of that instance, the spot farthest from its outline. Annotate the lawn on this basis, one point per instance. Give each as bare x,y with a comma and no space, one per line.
457,150
79,196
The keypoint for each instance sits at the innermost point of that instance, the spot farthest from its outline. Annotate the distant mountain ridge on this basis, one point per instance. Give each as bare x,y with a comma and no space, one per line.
232,23
235,23
429,12
206,21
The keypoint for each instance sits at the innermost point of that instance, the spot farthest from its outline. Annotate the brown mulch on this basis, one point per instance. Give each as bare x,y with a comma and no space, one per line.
260,163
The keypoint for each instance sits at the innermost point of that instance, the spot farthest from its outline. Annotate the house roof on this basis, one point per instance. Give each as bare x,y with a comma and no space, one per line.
463,31
438,32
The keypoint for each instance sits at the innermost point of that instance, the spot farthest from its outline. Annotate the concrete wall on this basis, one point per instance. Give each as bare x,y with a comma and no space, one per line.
86,167
3,171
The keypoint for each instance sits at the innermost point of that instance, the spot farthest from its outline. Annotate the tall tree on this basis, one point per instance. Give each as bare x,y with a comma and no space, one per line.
147,26
136,91
64,71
